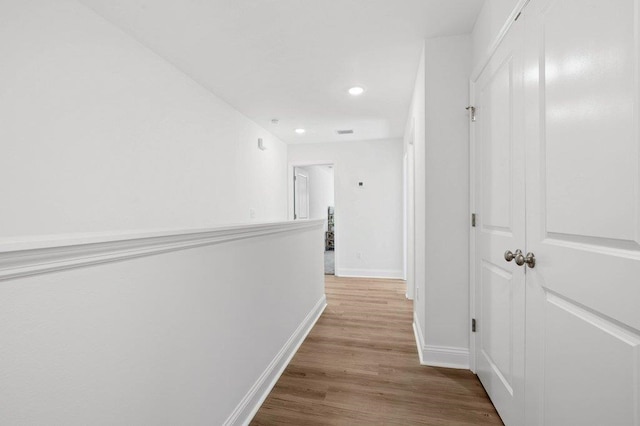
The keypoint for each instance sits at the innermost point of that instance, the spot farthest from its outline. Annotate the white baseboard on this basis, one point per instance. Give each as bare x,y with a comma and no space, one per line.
417,332
252,401
439,356
445,356
370,273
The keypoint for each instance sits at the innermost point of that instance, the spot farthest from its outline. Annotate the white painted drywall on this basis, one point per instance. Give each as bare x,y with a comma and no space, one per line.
446,295
490,21
321,191
368,219
414,146
100,134
296,59
441,165
179,337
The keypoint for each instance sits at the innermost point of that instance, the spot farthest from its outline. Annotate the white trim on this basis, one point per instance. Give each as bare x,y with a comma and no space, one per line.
472,230
252,401
299,174
445,356
20,258
409,248
290,190
475,75
405,214
291,170
439,356
417,332
369,273
482,64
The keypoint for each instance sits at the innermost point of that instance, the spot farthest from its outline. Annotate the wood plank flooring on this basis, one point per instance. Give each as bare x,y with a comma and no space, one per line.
360,366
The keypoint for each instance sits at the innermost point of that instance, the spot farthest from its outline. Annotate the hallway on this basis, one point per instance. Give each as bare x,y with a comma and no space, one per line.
359,365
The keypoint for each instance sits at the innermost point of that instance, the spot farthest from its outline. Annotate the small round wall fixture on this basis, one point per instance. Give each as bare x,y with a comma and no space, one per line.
300,131
356,91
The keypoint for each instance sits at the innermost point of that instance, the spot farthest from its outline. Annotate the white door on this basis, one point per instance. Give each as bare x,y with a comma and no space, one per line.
301,194
583,212
410,218
405,222
500,209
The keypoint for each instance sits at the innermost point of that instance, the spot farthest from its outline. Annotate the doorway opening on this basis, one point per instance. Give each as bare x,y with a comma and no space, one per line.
314,198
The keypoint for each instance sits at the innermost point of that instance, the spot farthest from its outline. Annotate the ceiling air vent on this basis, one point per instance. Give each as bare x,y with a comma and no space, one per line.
345,132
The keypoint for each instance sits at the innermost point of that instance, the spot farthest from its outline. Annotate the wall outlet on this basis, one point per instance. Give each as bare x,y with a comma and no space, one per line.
252,213
358,255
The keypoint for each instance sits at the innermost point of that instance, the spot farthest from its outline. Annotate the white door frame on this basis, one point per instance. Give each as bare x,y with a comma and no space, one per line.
472,233
409,212
300,174
291,191
475,75
405,214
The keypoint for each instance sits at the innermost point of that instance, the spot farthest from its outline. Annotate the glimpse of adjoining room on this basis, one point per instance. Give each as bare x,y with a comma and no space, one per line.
314,199
329,244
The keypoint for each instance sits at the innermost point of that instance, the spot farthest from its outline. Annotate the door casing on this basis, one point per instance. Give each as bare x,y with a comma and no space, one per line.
475,75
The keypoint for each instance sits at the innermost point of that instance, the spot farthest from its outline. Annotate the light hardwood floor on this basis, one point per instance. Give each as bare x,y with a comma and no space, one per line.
359,366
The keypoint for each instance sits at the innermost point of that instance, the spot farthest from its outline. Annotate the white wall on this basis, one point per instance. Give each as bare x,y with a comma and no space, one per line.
321,191
442,202
98,133
368,219
492,17
447,192
194,331
414,132
438,205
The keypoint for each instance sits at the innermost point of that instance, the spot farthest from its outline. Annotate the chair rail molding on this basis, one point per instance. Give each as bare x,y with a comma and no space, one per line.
27,257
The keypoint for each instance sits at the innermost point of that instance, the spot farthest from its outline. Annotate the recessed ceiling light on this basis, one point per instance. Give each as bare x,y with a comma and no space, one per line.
356,91
300,131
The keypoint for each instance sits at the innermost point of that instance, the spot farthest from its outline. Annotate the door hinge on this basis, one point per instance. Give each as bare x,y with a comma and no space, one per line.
473,325
473,220
473,112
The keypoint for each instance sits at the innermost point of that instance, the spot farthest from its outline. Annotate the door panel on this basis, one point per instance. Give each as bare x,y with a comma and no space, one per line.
301,194
499,291
595,355
589,76
496,156
583,204
496,301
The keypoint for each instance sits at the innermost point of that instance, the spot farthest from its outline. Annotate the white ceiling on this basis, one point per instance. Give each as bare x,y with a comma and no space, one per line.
295,59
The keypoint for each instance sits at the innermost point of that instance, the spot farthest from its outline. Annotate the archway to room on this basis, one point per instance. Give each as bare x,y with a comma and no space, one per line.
314,198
